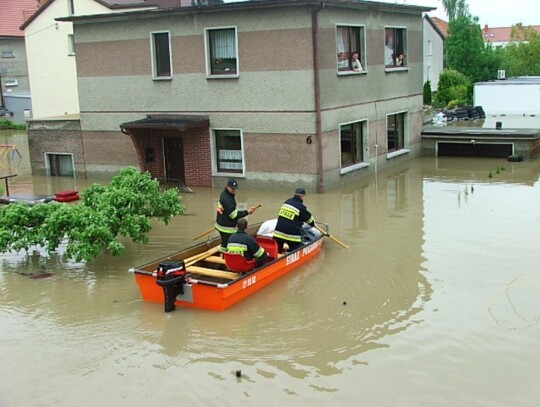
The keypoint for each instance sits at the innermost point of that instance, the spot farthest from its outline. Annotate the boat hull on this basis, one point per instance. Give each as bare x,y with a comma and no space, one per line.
211,295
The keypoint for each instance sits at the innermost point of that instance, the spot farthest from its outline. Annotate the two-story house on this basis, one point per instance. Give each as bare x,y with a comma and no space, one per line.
266,91
435,32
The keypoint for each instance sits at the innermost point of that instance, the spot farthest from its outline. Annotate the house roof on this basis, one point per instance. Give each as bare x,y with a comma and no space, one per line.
440,26
166,122
504,34
260,4
12,15
111,4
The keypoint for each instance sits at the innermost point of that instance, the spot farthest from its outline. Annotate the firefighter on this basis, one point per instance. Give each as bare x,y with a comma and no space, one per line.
227,213
292,215
245,244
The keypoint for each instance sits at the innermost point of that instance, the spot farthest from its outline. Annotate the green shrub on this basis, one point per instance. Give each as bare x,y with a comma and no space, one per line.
427,93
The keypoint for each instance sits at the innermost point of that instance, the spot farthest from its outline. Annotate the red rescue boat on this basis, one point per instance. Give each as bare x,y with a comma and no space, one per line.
199,277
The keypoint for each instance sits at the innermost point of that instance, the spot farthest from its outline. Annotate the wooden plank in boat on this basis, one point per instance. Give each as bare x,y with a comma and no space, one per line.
215,259
212,273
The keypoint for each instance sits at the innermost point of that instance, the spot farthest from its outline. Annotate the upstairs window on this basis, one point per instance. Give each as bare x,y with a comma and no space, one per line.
8,53
229,152
222,51
161,55
429,48
350,41
395,47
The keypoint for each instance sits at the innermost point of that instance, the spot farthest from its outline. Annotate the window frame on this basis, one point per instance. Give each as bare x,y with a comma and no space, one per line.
49,155
216,171
7,53
71,44
429,48
155,59
210,73
364,149
396,49
404,149
361,39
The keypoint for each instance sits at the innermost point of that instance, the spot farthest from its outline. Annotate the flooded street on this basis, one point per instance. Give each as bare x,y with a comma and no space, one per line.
435,303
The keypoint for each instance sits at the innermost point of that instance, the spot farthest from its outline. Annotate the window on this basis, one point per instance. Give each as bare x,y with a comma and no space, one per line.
8,53
161,53
395,47
71,7
59,164
430,48
352,141
222,51
229,152
395,131
71,44
349,41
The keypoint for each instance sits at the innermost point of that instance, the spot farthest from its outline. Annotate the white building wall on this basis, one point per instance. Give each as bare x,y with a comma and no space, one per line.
505,97
52,70
433,61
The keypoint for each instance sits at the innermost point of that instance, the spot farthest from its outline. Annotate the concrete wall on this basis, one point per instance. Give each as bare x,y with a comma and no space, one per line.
14,68
20,105
509,97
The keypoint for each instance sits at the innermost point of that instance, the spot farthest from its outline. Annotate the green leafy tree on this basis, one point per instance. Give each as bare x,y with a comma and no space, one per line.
106,214
455,9
523,55
454,89
465,47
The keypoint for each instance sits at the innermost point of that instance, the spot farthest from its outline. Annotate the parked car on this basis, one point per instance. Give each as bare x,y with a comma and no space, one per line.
5,113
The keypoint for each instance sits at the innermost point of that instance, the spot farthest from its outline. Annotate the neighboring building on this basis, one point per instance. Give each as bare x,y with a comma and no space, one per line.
253,90
513,97
502,36
50,48
434,37
13,68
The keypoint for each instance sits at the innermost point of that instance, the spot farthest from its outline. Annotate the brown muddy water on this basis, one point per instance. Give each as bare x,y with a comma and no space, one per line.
435,303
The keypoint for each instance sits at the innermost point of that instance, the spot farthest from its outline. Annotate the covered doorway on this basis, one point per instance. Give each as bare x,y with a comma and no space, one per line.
173,148
174,159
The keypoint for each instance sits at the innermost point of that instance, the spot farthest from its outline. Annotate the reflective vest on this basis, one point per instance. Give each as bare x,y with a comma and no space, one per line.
292,214
243,243
227,214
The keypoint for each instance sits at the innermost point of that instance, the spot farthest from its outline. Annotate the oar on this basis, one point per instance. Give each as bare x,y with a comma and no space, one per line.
324,232
205,233
194,259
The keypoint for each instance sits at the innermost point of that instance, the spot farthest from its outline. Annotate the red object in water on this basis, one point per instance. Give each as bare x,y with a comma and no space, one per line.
66,196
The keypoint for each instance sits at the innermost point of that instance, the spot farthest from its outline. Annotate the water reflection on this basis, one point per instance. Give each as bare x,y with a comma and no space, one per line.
423,248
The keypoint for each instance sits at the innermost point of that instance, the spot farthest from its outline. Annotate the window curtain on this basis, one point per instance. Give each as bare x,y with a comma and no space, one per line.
343,39
223,44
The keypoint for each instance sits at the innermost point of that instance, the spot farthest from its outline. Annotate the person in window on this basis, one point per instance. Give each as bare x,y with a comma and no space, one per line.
355,64
400,60
243,243
227,214
292,215
342,61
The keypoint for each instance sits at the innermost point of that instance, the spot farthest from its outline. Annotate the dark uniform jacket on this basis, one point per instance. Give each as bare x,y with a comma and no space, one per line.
243,243
227,214
292,215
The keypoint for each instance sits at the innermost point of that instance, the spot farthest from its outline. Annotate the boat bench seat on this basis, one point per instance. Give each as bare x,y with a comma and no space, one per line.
212,273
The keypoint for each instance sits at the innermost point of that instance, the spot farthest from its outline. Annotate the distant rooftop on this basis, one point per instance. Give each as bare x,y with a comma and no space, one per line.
504,34
13,13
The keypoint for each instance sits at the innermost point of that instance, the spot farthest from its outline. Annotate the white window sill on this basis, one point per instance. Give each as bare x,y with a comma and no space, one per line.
397,153
229,175
396,69
224,76
353,167
162,78
347,73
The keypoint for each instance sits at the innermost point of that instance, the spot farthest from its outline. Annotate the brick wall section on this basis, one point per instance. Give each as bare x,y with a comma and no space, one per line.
197,158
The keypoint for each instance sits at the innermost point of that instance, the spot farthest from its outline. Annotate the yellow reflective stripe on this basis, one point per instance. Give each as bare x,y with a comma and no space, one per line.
310,220
288,211
259,252
225,229
236,248
290,238
233,214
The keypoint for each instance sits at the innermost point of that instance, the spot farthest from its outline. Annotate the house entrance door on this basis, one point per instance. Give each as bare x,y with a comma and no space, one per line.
174,159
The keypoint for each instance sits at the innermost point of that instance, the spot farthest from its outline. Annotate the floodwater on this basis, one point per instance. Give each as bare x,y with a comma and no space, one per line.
435,303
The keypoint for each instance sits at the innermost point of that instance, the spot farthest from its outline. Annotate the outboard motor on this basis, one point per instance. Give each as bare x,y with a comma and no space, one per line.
171,276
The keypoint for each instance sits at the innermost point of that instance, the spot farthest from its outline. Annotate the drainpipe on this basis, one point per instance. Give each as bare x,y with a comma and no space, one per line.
317,85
